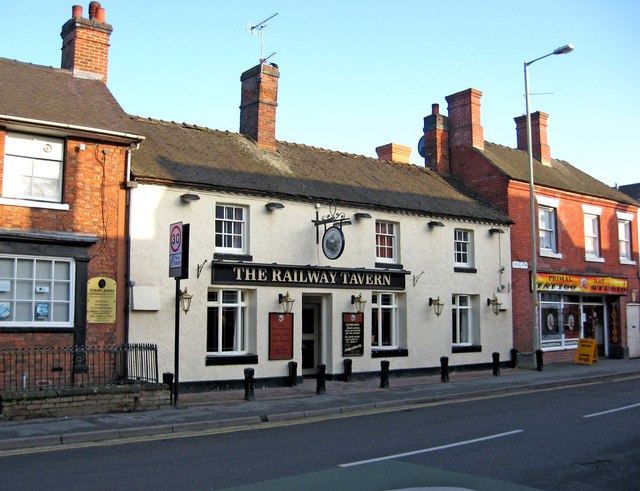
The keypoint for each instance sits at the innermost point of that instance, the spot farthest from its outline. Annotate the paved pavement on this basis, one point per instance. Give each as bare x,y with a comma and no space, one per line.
212,410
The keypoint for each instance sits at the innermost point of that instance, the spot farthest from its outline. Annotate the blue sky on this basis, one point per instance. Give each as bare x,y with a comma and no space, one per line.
357,74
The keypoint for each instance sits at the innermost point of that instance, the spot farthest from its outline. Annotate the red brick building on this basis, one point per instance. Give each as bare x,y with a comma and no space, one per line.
587,257
64,152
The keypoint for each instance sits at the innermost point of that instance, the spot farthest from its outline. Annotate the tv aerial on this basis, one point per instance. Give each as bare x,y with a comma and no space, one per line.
258,28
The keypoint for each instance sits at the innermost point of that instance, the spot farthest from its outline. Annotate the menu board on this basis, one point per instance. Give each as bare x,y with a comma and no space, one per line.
280,335
352,334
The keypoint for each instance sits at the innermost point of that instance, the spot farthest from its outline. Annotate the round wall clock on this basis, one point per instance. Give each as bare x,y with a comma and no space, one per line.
333,243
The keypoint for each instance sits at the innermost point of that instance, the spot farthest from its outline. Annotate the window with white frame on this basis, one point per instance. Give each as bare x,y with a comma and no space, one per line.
624,238
231,229
226,322
33,167
461,320
36,291
547,229
463,248
384,320
592,232
386,242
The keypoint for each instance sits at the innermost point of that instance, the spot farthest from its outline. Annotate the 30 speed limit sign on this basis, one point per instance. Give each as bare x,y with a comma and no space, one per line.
175,249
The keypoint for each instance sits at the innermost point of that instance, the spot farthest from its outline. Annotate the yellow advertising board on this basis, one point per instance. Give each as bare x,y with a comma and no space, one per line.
101,300
587,353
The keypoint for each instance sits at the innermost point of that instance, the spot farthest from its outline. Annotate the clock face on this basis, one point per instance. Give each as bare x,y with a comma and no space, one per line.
421,147
333,243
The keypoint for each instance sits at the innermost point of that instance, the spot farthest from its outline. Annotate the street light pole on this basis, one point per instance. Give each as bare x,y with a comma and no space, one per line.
534,251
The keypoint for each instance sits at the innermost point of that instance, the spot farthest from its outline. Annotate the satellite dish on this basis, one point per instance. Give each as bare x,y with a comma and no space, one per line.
421,147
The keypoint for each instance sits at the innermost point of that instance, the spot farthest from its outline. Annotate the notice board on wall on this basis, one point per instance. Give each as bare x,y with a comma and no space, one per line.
280,335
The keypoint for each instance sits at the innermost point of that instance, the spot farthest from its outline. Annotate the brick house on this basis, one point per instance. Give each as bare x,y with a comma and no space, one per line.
64,153
587,232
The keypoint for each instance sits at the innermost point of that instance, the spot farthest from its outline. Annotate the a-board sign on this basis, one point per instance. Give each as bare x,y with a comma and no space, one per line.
280,335
587,353
352,334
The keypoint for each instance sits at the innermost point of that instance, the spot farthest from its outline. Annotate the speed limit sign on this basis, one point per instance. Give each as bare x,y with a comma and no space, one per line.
175,250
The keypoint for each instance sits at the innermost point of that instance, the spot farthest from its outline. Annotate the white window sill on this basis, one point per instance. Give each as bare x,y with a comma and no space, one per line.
594,259
627,262
548,253
34,204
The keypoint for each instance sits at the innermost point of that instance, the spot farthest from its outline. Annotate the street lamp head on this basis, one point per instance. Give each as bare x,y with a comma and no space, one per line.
563,50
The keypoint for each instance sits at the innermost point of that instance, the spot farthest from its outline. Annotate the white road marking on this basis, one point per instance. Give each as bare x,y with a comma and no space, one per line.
432,449
624,408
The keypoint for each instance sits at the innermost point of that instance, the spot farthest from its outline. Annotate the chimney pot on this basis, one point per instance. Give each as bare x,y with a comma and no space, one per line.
76,11
435,109
100,15
93,9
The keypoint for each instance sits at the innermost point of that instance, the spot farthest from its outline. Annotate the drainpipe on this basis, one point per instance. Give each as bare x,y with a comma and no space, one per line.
129,186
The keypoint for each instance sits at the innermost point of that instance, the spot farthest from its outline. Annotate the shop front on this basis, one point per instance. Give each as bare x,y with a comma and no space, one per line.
574,307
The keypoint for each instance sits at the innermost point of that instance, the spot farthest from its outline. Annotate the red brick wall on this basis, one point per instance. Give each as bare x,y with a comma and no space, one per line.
93,189
258,105
85,47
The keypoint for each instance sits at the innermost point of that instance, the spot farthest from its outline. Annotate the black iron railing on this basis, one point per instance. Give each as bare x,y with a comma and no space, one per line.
77,366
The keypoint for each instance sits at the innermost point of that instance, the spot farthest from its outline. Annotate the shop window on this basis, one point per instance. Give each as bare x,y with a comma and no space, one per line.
33,168
36,291
384,321
387,242
463,250
561,319
624,238
463,331
231,229
226,322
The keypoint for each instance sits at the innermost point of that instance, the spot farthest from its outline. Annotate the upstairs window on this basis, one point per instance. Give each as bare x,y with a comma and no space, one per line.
547,229
386,242
33,167
592,233
231,229
625,250
463,248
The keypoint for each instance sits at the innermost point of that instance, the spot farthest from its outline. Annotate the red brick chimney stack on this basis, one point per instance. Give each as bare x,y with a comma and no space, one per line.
465,129
436,141
85,43
539,146
258,105
394,153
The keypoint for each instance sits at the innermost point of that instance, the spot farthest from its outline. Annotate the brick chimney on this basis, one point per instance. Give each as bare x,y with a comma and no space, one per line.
436,141
85,43
258,105
464,119
394,152
540,148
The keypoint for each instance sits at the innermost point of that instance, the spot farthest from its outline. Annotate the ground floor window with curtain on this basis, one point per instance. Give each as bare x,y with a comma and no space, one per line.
36,291
464,329
226,322
384,320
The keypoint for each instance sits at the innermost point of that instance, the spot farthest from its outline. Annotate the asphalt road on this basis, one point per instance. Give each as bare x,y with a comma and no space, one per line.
585,438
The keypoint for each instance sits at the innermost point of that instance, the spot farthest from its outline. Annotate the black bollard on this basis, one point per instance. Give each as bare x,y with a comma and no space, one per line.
496,364
321,384
249,392
444,369
167,378
539,361
384,374
348,364
293,373
514,358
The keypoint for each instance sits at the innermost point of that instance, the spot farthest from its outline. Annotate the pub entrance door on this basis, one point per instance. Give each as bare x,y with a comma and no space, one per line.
311,334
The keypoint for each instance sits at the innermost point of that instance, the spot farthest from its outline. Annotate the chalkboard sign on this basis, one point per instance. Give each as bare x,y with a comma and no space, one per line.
280,335
352,334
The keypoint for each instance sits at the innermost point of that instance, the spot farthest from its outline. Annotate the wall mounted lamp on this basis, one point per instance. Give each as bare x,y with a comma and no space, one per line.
437,305
435,223
359,302
496,231
286,301
274,206
362,216
185,300
189,197
495,304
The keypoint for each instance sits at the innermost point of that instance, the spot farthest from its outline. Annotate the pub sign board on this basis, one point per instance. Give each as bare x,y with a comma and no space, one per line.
352,334
315,276
280,335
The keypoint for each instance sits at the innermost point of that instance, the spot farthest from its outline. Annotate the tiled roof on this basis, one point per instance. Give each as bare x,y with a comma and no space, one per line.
632,190
558,175
55,95
199,157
